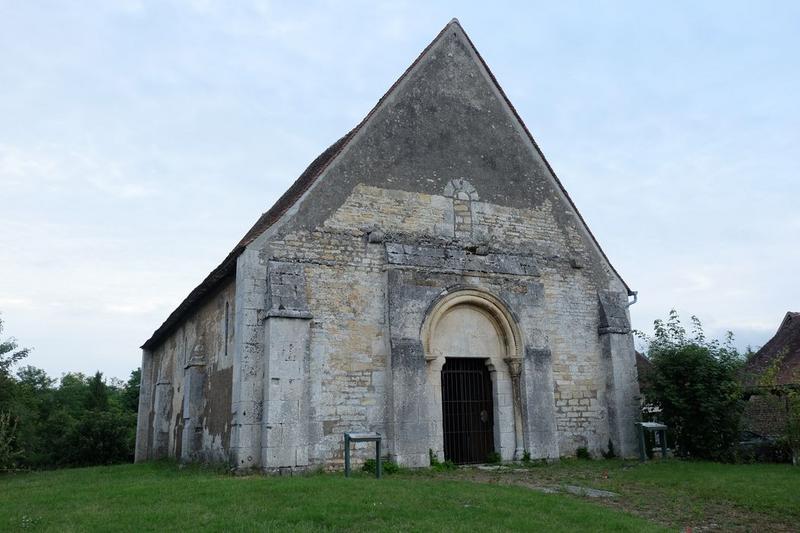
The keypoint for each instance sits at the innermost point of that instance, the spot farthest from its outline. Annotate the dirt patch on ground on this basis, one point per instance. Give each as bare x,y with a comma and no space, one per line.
666,507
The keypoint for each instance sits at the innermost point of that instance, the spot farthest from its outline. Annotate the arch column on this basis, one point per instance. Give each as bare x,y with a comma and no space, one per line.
500,385
489,332
433,369
515,370
194,380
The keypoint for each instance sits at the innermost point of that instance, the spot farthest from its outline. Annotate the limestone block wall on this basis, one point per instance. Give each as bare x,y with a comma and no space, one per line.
440,187
247,402
566,319
346,359
542,269
185,400
315,350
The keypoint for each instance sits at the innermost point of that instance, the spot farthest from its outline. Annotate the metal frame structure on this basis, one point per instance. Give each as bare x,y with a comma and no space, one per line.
362,437
654,427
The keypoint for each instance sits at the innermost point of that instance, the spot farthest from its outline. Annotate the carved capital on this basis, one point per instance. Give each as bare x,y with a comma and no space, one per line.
514,366
435,363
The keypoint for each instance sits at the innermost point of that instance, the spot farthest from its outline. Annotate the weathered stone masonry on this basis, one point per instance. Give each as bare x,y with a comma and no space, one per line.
434,230
185,399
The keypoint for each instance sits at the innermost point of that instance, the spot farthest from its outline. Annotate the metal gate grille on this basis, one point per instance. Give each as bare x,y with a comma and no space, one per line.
467,409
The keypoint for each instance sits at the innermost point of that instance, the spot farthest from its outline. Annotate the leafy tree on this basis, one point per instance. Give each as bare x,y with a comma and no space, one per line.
33,400
100,437
749,353
694,383
74,421
97,398
73,392
130,392
9,452
10,354
104,432
56,435
34,378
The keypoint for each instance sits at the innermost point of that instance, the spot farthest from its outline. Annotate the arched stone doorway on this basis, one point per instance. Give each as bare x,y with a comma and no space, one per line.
465,326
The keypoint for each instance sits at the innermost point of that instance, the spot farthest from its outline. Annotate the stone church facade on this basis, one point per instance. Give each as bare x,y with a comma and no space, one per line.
428,278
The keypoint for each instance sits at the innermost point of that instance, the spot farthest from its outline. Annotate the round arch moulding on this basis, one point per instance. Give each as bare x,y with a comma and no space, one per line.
485,301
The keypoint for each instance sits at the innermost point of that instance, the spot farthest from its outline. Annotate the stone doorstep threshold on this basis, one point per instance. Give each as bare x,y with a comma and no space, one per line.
487,467
575,490
589,492
570,489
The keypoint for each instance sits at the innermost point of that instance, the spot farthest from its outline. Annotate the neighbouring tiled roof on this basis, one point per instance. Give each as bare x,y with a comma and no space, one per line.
784,346
643,363
643,368
227,268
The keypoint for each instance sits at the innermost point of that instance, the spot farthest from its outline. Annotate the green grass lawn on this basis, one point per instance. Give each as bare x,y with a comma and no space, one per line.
677,494
162,497
657,496
771,490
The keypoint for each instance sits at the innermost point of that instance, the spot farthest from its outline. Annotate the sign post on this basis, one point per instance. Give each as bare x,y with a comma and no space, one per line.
362,437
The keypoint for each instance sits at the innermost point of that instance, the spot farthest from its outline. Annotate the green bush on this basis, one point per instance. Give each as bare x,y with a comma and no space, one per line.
438,465
387,467
8,451
101,437
447,465
582,453
695,384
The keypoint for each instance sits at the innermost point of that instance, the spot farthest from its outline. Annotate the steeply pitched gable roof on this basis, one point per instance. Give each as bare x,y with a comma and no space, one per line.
228,266
783,348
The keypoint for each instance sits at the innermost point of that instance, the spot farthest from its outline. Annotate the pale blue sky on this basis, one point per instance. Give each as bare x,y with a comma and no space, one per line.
140,140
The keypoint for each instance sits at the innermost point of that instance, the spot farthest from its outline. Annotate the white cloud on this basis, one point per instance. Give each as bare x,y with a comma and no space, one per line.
56,167
16,303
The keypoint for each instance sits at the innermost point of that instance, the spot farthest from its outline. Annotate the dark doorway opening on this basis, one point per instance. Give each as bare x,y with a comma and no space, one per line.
468,410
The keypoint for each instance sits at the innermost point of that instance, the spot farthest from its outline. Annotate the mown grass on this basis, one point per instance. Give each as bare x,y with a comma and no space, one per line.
677,494
671,495
163,497
771,489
